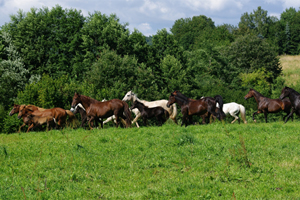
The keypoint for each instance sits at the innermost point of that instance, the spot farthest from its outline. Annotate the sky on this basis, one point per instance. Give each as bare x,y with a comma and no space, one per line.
149,16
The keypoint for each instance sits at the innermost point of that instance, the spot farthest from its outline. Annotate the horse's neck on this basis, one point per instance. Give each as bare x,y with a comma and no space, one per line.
86,102
140,108
135,98
257,96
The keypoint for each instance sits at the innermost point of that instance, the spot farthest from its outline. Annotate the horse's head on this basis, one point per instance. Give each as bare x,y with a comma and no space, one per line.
171,100
128,96
76,100
15,110
249,95
175,92
284,92
22,111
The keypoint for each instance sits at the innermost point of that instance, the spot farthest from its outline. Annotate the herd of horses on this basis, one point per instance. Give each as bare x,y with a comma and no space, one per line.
93,111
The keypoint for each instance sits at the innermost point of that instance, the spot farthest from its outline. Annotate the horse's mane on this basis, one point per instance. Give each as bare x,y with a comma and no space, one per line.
181,97
257,92
90,99
292,90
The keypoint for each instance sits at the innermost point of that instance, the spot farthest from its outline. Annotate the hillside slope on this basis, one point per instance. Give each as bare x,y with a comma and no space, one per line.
291,69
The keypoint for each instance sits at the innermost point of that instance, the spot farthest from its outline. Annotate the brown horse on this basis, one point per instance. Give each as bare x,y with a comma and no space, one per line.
190,107
266,105
16,109
97,109
58,114
35,121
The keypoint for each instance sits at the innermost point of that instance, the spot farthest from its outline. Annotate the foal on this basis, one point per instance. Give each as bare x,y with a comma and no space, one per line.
36,120
161,114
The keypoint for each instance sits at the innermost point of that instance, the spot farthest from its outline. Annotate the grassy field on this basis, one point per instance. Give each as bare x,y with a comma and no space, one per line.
291,69
224,161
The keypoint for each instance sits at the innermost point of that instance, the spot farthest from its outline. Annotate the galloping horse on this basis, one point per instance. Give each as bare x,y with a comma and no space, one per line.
190,107
161,114
294,97
35,121
266,105
234,109
97,109
58,114
16,109
130,96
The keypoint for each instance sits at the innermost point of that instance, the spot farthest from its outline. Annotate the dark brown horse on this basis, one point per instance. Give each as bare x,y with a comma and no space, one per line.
266,105
97,109
190,107
158,112
294,97
58,114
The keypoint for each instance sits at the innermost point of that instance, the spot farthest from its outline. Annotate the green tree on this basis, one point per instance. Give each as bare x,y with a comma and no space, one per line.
251,53
112,75
187,30
257,23
47,39
13,75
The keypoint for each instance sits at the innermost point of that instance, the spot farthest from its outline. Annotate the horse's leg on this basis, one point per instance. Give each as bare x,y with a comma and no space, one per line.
257,112
145,121
108,120
30,127
89,122
138,115
235,117
266,114
291,114
21,127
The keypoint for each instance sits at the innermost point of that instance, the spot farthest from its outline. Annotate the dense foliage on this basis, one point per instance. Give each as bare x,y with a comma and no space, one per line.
48,54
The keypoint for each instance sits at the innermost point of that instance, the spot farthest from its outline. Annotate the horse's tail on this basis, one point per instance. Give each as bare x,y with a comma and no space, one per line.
219,100
243,113
174,113
127,114
72,118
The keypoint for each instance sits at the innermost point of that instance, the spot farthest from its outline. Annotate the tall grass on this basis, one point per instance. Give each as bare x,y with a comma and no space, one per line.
227,161
291,69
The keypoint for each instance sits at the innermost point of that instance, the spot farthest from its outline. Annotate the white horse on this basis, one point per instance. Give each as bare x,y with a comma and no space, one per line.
234,109
130,96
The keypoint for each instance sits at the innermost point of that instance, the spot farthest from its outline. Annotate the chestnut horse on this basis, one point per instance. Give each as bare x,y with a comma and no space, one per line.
97,109
16,109
294,97
35,121
190,107
266,105
58,114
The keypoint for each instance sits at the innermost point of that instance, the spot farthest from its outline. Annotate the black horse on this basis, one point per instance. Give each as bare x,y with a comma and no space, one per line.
294,97
161,114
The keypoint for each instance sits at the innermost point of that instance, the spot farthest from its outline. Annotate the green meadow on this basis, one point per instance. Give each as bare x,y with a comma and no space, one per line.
215,161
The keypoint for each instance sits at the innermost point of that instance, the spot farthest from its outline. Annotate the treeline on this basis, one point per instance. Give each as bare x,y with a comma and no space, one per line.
48,54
